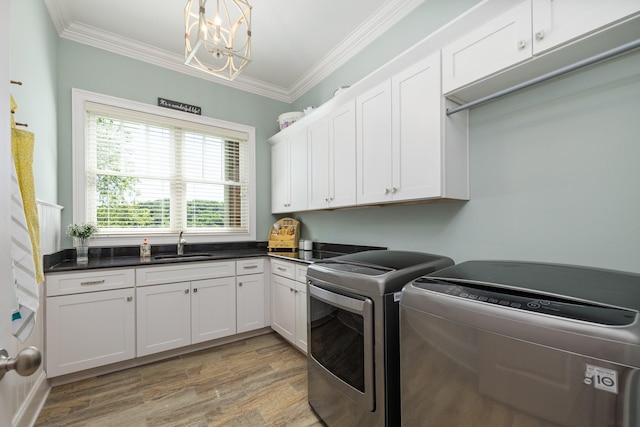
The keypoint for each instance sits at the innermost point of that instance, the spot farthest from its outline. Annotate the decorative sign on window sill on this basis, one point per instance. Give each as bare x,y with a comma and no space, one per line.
175,105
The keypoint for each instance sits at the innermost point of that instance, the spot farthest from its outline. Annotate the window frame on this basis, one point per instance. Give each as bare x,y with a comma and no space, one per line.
78,105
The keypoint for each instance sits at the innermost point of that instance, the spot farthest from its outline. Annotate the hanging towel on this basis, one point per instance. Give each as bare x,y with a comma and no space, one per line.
25,233
22,146
24,276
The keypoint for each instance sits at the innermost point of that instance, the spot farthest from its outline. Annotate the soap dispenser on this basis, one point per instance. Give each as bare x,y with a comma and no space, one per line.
145,249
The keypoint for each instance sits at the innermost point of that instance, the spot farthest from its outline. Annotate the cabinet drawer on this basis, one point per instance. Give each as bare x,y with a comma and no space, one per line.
283,268
301,273
184,272
89,281
249,266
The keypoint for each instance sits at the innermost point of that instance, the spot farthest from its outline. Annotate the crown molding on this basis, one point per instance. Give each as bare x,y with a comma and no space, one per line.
384,18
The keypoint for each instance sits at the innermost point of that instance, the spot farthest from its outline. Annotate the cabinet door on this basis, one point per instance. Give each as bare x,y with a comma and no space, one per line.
89,330
250,302
163,317
500,43
558,21
298,167
213,309
301,316
417,117
283,318
318,173
373,120
342,152
280,177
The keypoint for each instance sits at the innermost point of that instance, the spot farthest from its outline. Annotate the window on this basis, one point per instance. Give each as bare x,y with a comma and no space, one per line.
145,170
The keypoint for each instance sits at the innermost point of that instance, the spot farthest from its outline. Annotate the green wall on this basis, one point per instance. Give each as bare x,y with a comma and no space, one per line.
88,68
33,61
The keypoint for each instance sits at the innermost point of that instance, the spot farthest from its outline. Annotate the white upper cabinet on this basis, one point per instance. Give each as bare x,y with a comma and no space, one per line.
289,173
531,28
497,44
556,22
332,159
408,149
373,136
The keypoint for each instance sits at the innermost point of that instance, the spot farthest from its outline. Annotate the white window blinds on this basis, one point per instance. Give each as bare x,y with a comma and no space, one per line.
148,173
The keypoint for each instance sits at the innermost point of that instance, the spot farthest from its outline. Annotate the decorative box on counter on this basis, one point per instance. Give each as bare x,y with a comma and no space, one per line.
284,235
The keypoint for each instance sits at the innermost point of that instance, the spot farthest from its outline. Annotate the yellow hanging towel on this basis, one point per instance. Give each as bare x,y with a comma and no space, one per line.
22,146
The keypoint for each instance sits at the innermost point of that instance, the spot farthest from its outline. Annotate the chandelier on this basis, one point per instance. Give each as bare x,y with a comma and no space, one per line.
218,41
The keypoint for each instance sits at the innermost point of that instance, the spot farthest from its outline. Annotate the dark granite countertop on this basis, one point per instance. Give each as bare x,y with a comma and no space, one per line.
129,256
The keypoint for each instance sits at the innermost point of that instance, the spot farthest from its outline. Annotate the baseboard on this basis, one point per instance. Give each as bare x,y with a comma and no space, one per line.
33,404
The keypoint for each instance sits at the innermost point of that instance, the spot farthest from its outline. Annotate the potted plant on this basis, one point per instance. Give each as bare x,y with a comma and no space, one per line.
81,233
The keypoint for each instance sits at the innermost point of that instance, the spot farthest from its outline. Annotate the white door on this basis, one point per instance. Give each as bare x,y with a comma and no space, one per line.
5,237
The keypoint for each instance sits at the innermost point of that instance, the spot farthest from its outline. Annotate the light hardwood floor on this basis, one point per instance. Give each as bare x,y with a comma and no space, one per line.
260,381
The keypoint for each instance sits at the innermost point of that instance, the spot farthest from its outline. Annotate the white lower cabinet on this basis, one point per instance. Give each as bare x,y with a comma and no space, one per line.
289,301
213,309
163,317
251,294
86,329
178,314
104,316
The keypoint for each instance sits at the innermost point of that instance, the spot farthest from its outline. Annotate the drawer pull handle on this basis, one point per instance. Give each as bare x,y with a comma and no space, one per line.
92,282
247,267
282,269
129,299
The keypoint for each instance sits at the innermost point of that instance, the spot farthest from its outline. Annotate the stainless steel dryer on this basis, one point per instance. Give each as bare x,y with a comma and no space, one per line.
353,357
498,343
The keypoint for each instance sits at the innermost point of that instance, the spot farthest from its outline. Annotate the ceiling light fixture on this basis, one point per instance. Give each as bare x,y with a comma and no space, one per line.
219,42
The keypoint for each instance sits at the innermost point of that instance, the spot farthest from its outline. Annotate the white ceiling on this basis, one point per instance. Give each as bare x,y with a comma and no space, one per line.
295,43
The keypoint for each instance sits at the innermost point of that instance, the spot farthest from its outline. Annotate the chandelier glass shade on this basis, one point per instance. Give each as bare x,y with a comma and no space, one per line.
218,37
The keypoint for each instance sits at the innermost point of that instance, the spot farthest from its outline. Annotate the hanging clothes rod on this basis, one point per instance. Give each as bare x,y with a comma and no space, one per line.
564,70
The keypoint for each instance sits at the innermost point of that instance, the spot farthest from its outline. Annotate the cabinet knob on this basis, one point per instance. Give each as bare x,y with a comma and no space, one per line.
129,299
540,35
522,44
240,284
186,291
393,190
195,290
386,191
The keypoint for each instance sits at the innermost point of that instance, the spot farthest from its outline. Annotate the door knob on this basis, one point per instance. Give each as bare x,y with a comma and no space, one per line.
25,363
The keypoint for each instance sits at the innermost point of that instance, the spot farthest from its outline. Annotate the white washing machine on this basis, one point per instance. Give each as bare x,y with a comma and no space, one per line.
515,344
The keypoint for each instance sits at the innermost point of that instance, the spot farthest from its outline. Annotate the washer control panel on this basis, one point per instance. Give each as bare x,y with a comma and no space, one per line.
522,300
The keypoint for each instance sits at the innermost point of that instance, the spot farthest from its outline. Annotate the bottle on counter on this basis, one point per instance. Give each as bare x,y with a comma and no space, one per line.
145,249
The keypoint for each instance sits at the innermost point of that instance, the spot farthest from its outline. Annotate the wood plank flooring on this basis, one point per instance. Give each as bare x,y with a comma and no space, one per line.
260,381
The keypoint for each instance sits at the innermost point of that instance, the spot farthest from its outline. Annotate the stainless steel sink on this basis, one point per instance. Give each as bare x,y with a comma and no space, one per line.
176,256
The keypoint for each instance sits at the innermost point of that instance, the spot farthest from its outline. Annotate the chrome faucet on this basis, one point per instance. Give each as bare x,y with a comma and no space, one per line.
181,243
